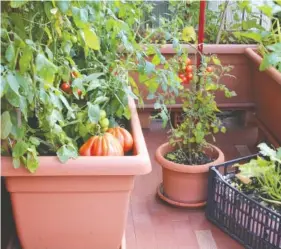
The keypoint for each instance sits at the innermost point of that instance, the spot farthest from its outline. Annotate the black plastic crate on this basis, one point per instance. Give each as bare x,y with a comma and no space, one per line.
245,220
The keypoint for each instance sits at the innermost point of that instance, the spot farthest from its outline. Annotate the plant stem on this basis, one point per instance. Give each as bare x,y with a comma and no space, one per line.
271,201
222,22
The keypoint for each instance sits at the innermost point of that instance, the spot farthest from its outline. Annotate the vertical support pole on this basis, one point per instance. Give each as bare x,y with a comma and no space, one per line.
201,30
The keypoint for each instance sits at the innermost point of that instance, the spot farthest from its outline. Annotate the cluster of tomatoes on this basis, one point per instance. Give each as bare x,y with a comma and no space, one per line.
66,86
185,73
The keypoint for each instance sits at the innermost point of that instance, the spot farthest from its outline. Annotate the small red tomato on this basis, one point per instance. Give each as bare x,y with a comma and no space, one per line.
181,75
65,87
189,76
188,69
184,79
209,69
79,92
188,61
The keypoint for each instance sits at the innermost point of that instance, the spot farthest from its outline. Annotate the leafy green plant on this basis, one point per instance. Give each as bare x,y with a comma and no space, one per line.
65,73
266,171
269,41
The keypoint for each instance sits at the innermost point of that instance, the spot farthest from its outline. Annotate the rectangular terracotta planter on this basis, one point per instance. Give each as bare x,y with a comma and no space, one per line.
229,55
266,89
80,204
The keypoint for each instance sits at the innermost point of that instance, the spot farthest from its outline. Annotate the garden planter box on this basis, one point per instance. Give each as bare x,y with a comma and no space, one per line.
228,55
80,204
247,221
266,90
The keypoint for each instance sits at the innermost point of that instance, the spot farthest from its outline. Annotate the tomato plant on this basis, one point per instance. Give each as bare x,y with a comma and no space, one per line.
57,90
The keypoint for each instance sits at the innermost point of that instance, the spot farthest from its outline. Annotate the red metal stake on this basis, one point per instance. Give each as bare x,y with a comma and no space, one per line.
201,30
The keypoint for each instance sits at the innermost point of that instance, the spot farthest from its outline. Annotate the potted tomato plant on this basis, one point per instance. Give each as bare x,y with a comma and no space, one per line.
65,91
186,158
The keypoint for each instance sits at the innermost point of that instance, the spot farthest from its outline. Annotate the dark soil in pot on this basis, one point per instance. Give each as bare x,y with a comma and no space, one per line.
178,156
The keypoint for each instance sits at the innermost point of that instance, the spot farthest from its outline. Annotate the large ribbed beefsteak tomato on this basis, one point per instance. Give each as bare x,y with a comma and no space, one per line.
103,145
124,137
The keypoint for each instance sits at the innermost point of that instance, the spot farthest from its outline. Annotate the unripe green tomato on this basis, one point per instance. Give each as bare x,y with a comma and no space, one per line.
74,39
102,114
90,126
104,122
104,129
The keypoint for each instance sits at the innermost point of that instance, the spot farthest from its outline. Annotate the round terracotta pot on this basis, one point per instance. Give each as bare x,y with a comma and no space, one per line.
186,184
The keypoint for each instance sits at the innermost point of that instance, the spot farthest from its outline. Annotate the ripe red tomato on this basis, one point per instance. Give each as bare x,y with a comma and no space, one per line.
189,76
209,69
188,61
105,145
124,137
184,80
188,69
65,87
181,75
79,92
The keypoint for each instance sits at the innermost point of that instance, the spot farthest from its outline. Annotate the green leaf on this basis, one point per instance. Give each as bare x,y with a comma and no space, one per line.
6,125
65,102
265,150
252,35
13,83
100,99
127,113
188,34
66,152
3,86
18,3
91,39
266,9
63,6
20,149
269,60
93,113
156,60
157,106
16,162
10,53
13,98
34,140
149,67
275,47
45,68
216,60
23,107
80,17
49,53
25,59
32,161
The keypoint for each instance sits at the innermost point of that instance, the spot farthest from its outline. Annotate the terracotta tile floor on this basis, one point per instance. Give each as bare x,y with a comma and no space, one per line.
152,224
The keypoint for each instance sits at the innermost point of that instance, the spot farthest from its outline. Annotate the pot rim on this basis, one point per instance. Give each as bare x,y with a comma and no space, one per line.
202,168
